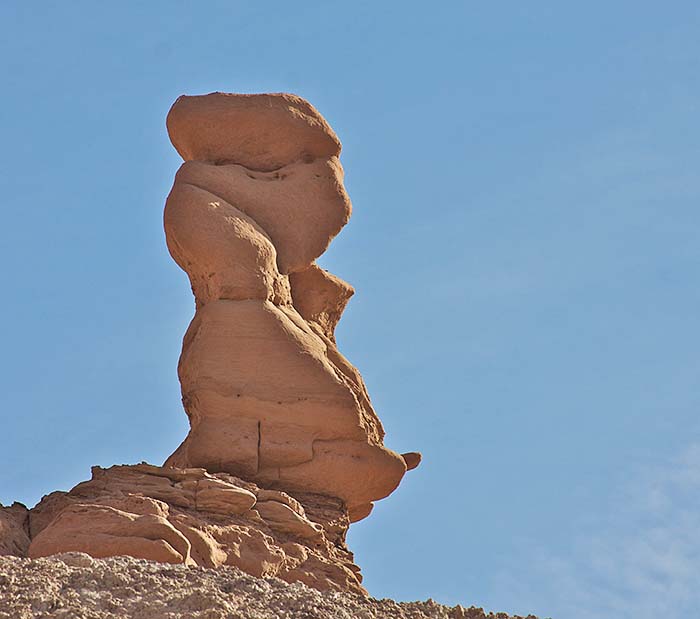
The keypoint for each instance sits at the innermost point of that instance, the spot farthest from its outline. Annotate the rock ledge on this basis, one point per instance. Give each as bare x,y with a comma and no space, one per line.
190,517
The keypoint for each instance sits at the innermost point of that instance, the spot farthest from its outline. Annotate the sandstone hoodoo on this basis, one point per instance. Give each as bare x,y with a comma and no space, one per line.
268,395
284,448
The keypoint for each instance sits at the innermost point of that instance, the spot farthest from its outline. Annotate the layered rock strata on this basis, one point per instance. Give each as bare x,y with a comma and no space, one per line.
73,585
191,517
268,395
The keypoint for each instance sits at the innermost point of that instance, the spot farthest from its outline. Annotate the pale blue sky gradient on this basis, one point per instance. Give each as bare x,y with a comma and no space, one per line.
525,247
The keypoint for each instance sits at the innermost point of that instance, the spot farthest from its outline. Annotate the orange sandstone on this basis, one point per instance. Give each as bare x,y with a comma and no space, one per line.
261,132
285,448
268,395
191,517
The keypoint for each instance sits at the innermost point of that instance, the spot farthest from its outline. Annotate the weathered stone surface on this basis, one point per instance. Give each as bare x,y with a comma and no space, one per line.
120,587
301,206
218,496
224,252
360,512
412,459
261,132
285,448
320,297
268,395
191,517
283,518
270,400
264,494
104,531
14,530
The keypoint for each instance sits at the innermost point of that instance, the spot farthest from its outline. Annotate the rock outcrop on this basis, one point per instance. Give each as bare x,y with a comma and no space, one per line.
284,449
191,517
268,395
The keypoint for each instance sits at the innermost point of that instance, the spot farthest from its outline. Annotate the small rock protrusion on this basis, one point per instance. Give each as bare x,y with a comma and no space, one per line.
412,459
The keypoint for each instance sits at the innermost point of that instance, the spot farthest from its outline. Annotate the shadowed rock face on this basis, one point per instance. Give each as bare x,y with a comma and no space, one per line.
268,395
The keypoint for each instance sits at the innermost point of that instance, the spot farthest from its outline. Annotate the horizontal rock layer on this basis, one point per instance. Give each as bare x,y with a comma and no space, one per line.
191,517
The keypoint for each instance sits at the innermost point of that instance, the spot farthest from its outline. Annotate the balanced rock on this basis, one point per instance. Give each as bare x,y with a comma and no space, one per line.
14,530
268,395
301,206
261,132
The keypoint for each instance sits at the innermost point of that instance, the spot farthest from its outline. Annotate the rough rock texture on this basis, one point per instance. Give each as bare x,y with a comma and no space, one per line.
268,395
191,517
74,585
261,132
14,530
301,206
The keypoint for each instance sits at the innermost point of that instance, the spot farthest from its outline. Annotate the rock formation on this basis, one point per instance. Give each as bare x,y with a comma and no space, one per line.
192,517
73,585
269,396
14,530
284,448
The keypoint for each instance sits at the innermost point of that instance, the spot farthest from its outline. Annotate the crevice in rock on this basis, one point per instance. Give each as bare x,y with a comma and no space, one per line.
306,158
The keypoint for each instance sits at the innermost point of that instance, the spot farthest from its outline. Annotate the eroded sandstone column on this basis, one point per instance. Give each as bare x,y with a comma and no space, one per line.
268,395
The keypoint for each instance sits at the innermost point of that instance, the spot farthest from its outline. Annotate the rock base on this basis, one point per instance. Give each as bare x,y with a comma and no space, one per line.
190,517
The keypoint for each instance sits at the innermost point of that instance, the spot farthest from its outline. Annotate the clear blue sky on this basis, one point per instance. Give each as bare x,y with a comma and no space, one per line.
525,247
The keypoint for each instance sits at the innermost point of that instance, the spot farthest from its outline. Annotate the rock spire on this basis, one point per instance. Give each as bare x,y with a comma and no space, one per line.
268,395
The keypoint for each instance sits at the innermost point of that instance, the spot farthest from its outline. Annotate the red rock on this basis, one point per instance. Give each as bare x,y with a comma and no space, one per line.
301,206
224,252
412,459
261,132
103,531
283,518
268,395
190,516
14,530
285,448
320,297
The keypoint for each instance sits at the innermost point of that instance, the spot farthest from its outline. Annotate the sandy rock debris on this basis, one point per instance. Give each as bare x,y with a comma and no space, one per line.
76,586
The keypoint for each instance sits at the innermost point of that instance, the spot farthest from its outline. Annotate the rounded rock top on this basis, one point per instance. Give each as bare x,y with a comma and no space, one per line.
262,132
